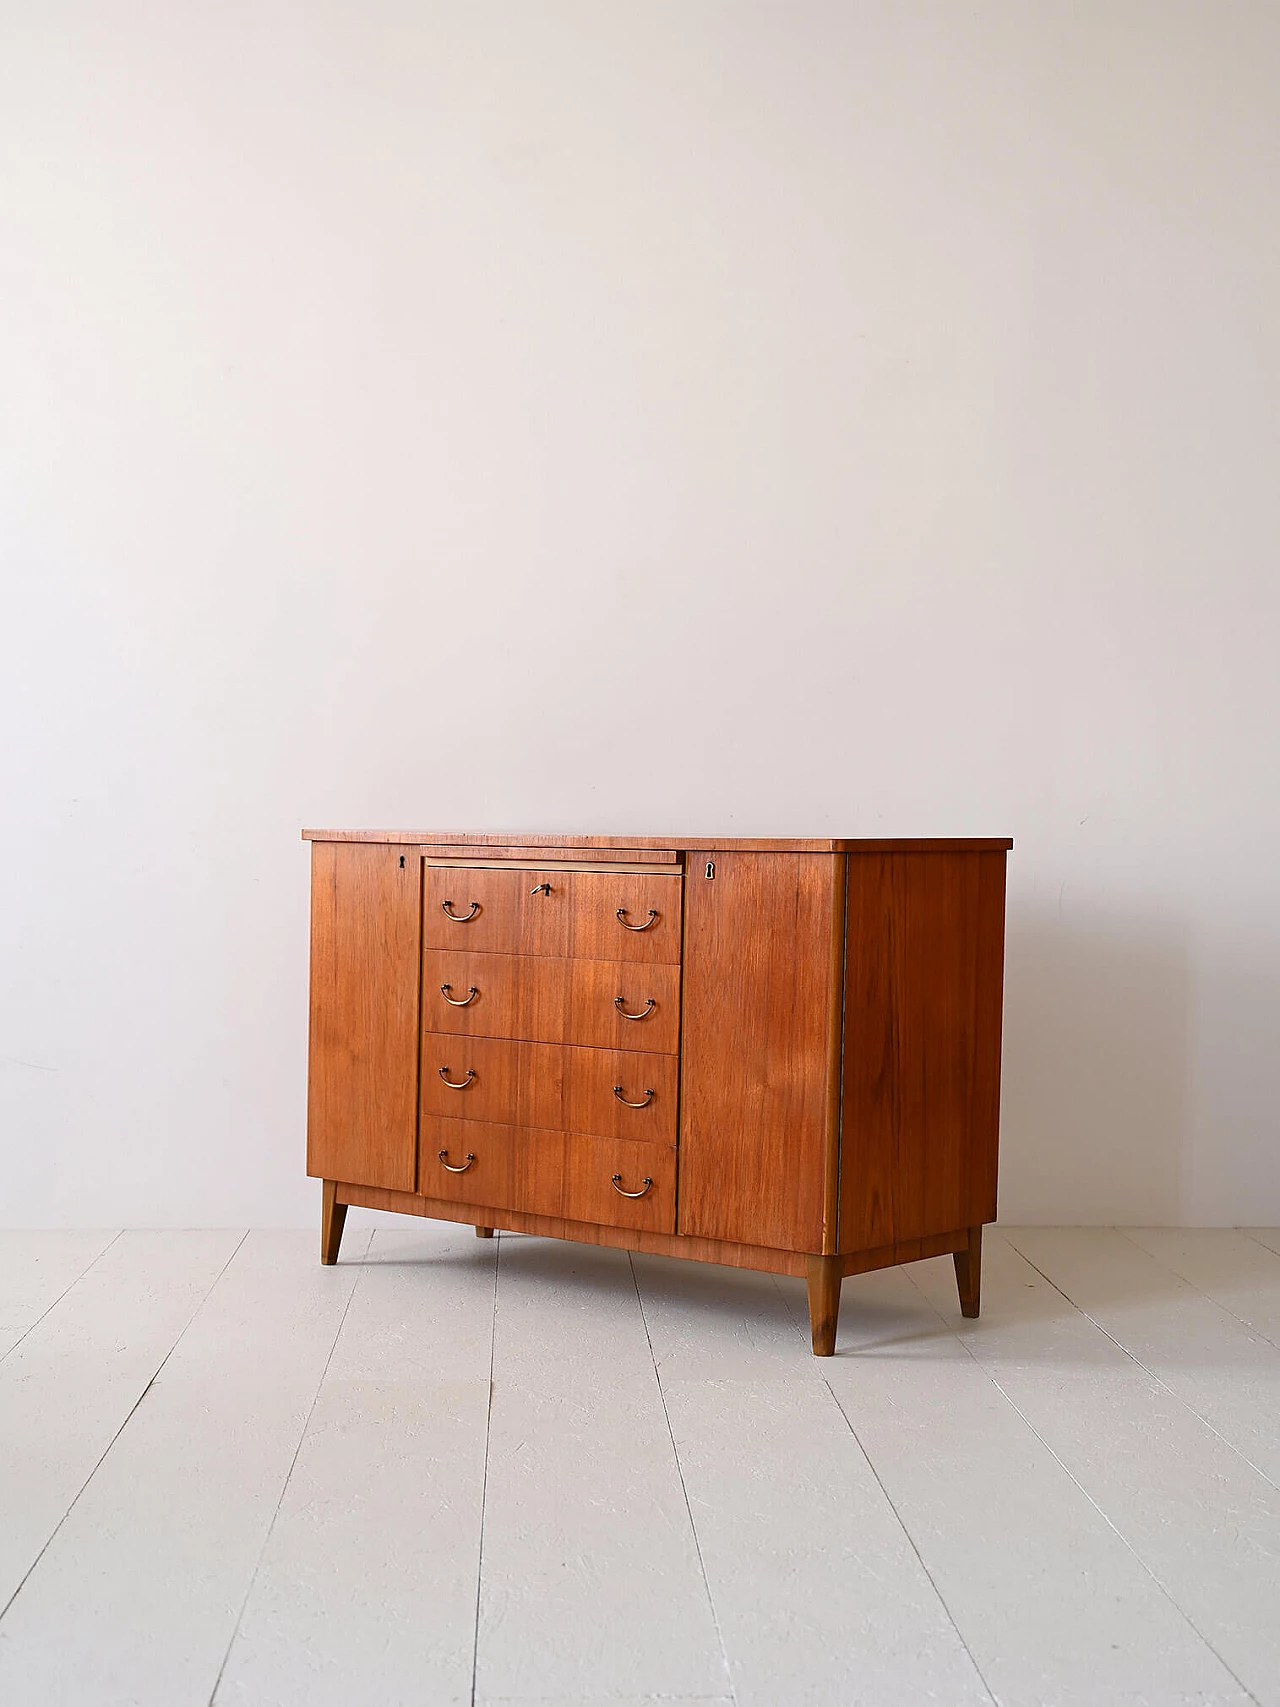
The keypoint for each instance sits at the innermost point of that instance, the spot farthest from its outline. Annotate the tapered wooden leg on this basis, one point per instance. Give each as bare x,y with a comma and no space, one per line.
484,1232
333,1218
824,1303
969,1274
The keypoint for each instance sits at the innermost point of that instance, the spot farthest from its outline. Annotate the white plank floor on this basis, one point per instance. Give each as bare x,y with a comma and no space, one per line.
502,1472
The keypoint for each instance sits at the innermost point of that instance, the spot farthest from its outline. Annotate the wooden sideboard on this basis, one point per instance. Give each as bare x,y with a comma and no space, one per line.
782,1055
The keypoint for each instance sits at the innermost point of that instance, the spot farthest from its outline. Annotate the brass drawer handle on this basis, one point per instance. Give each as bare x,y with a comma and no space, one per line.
443,1154
459,918
644,1188
648,1098
648,924
444,1074
473,993
648,1008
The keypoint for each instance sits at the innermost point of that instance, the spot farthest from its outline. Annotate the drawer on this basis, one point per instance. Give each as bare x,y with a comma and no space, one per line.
567,1174
551,1086
600,1172
494,1166
585,915
626,916
546,1000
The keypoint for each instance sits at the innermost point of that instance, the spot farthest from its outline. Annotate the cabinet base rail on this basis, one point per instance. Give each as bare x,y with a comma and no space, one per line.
822,1272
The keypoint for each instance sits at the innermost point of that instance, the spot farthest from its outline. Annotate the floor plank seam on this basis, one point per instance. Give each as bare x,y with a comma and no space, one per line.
484,1476
911,1542
288,1476
675,1453
67,1288
98,1462
1198,1290
1148,1372
1191,1624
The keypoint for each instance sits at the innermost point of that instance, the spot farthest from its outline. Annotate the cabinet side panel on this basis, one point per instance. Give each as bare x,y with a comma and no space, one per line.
756,1047
987,1039
923,997
366,921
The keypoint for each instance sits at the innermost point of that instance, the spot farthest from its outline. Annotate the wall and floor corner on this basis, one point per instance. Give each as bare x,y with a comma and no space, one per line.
808,419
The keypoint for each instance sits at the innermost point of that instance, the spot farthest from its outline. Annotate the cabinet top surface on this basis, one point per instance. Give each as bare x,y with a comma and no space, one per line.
723,844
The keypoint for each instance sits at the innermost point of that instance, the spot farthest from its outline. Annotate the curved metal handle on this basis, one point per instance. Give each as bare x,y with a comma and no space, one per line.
444,1074
462,1170
648,1008
459,918
445,989
541,889
648,1098
648,924
647,1183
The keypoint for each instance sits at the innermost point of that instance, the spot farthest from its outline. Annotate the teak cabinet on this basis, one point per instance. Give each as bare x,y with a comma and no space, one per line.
781,1055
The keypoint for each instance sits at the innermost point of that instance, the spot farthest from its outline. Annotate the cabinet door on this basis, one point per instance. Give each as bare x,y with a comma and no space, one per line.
366,928
760,1059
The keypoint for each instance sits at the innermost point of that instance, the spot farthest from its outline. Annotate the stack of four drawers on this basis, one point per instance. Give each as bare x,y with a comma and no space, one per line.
551,1035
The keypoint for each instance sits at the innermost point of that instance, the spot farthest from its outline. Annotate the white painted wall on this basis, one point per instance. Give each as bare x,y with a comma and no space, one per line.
784,418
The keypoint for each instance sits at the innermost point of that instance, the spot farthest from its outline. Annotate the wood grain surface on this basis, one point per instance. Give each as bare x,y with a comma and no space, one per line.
728,1253
333,1218
468,841
591,1195
506,1166
551,1085
544,911
541,999
551,1173
362,1093
824,1276
524,850
756,1049
923,1002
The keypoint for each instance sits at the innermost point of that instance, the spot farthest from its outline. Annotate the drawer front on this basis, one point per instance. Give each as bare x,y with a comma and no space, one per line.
565,1174
573,915
649,928
550,1086
504,912
548,1000
512,1084
598,1171
601,1084
604,994
501,1167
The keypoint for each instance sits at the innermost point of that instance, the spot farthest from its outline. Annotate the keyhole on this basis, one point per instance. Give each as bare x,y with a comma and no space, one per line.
402,862
711,868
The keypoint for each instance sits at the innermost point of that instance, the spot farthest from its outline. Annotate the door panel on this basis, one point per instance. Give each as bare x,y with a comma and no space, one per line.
362,1098
760,1051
